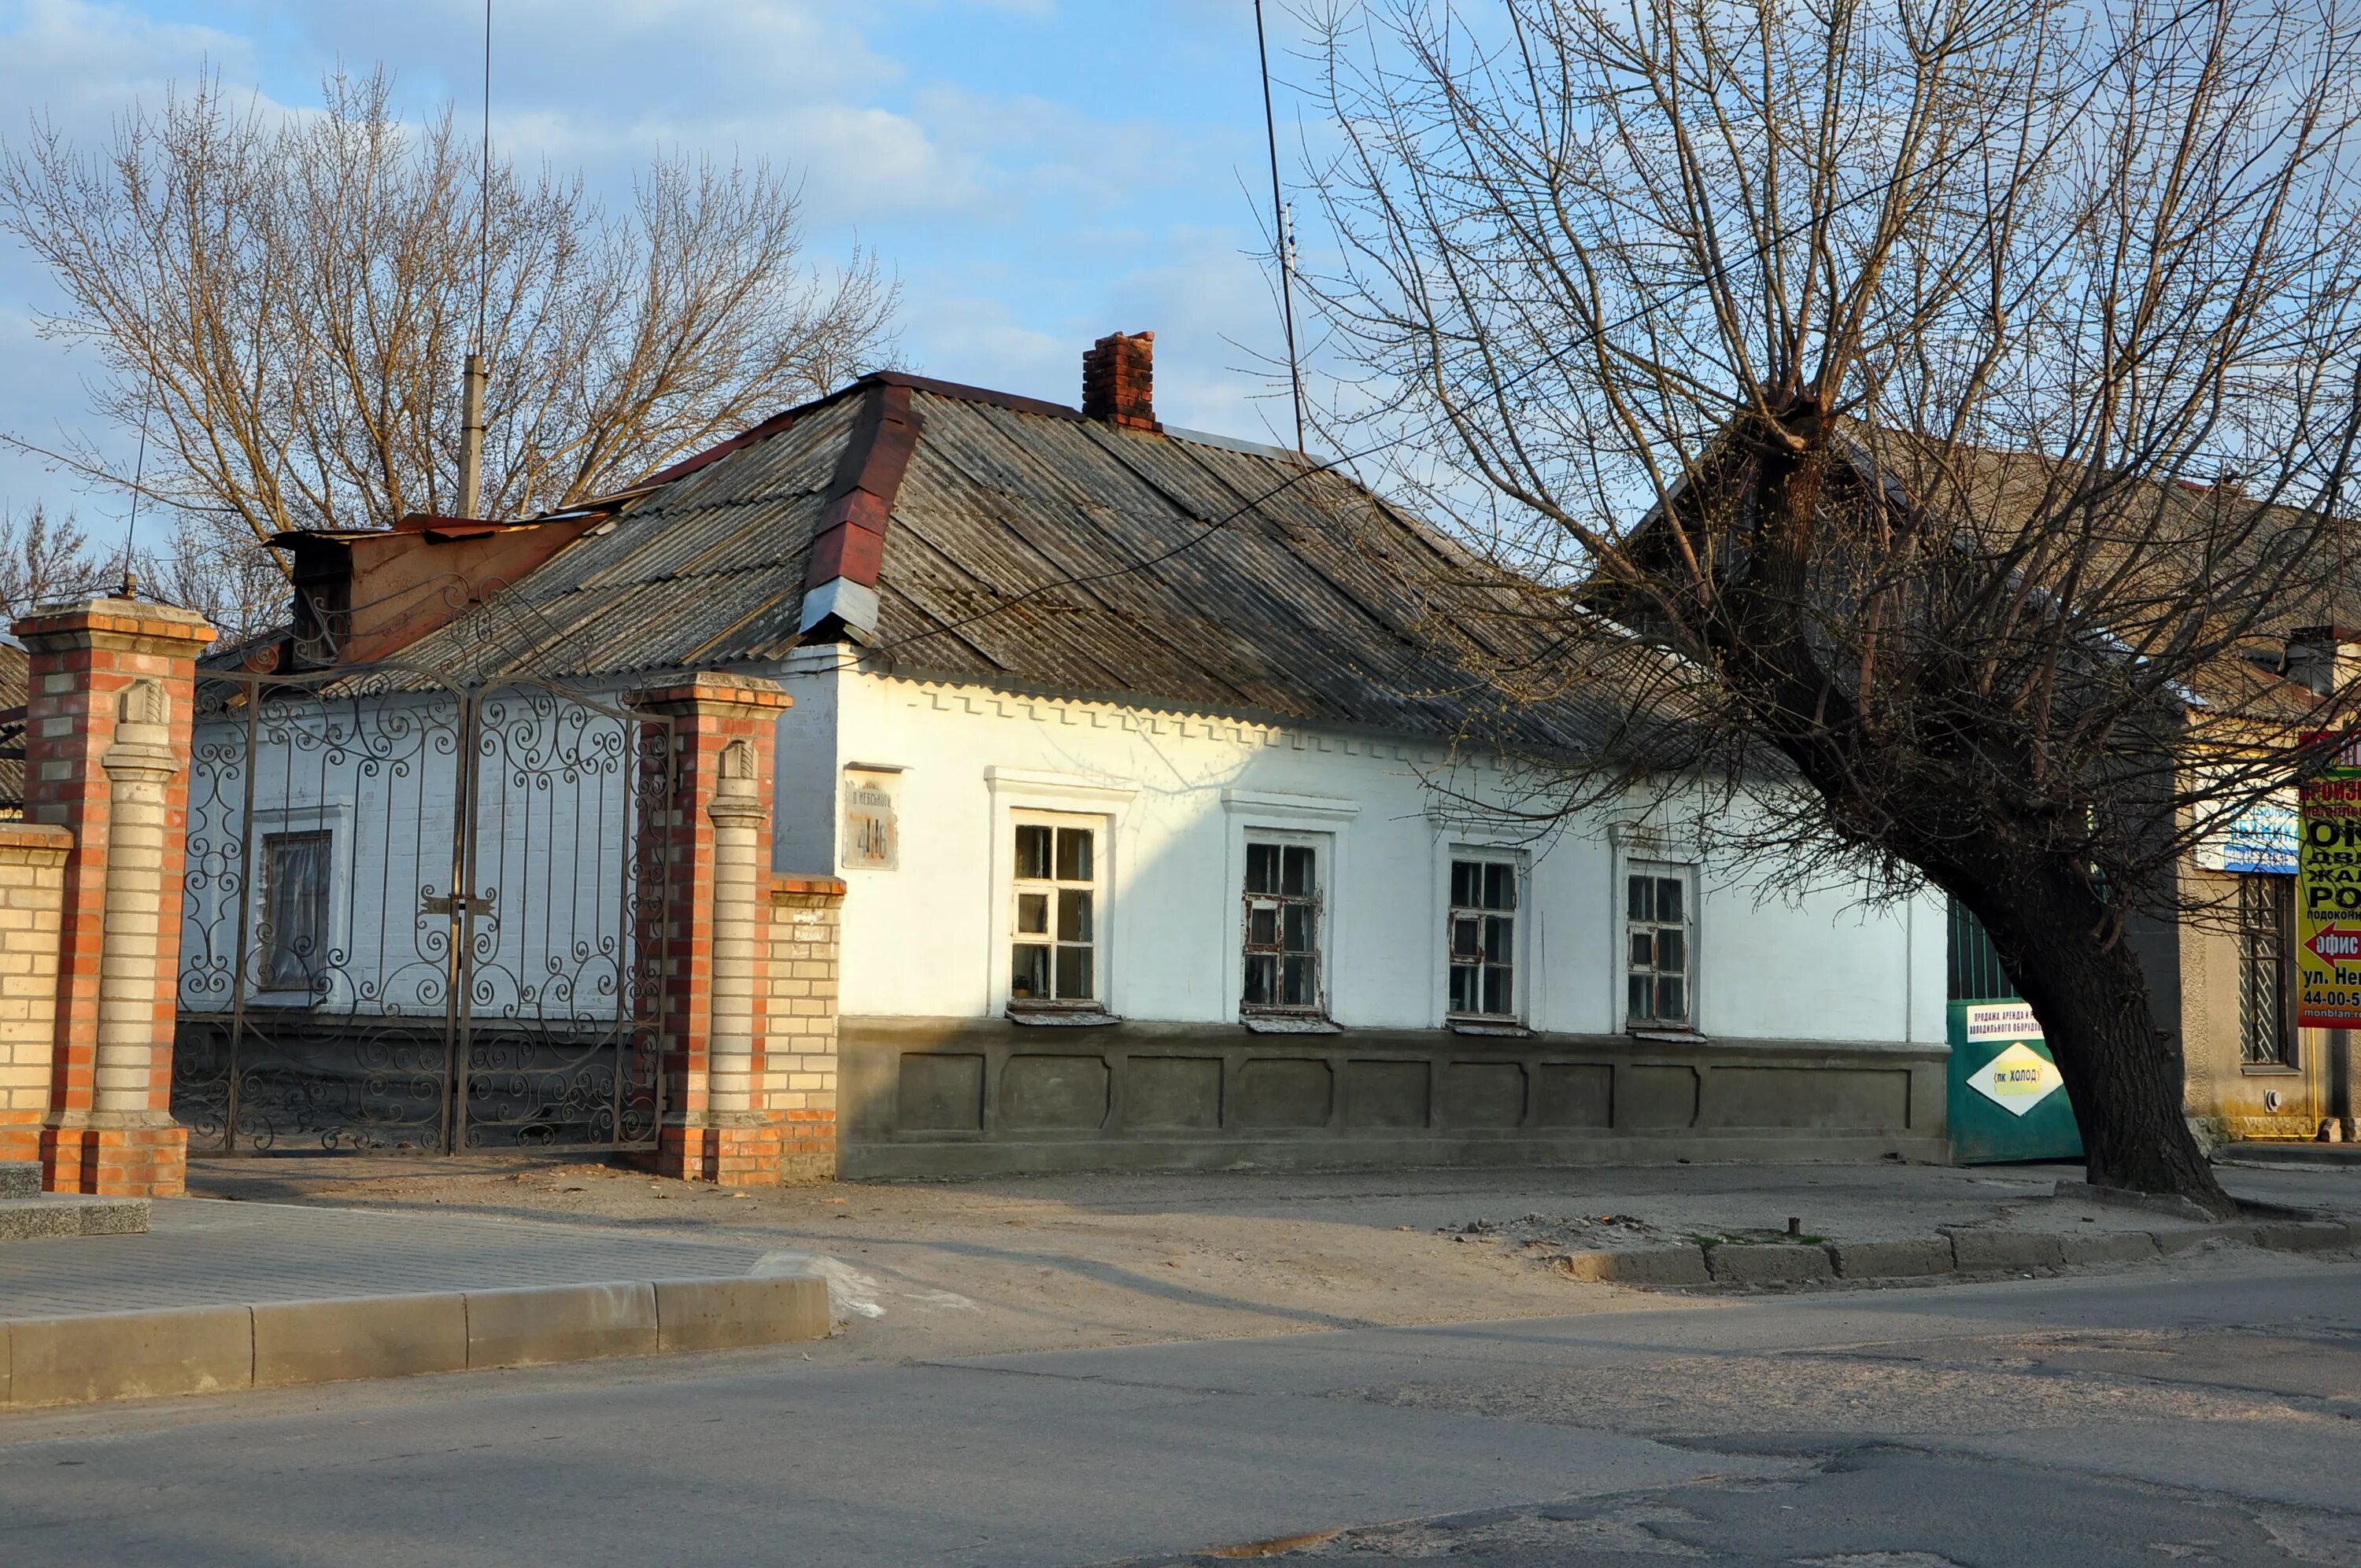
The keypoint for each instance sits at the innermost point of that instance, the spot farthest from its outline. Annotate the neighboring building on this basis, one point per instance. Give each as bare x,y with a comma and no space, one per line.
1171,838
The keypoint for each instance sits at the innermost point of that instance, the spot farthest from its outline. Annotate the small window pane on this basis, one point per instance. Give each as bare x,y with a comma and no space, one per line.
1669,999
1640,899
1262,868
1262,979
1639,1002
1495,988
294,935
1466,938
1499,886
1074,854
1463,989
1668,899
1074,974
1498,936
1029,978
1464,875
1262,924
1644,948
1298,881
1032,853
1298,929
1074,914
1295,983
1033,914
1669,957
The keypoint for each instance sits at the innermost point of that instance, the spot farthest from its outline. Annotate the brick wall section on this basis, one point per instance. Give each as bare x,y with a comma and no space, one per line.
708,712
799,1087
82,657
32,890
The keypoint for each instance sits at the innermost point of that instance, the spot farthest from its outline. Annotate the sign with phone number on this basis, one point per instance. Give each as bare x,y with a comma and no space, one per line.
2328,896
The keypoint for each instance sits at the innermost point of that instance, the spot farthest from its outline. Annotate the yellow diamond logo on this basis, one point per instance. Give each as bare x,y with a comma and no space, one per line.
2018,1079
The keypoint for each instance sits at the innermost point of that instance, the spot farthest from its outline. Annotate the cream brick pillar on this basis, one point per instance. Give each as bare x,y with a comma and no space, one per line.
738,811
139,767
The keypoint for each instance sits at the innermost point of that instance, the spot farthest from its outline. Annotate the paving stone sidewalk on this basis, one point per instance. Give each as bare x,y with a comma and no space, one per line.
203,1253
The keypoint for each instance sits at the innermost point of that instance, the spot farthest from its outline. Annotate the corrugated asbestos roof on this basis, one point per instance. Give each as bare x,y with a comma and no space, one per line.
1029,546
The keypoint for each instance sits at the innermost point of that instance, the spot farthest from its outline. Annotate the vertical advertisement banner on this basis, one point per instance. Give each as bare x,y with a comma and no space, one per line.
2328,895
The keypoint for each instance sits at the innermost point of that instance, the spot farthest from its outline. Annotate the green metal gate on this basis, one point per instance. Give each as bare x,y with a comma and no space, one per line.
2007,1101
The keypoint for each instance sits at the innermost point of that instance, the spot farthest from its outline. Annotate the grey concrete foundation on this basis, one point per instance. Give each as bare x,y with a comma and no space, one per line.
964,1097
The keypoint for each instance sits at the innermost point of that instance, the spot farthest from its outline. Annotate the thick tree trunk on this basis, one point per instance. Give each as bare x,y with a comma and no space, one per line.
2123,1074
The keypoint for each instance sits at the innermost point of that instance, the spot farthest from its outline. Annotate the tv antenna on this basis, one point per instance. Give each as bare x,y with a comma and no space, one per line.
471,394
1282,232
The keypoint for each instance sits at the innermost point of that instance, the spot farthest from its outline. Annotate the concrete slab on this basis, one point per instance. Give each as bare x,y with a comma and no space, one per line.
2304,1235
369,1336
2109,1247
130,1355
560,1323
1767,1263
48,1215
731,1314
1909,1259
1680,1264
1982,1252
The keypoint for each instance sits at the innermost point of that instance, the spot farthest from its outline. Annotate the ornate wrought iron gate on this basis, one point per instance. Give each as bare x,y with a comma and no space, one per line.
414,916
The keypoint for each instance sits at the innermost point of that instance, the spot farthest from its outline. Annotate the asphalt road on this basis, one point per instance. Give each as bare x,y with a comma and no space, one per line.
2134,1419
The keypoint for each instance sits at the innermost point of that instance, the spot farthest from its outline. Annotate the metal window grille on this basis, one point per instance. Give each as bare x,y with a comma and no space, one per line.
1661,963
2266,933
1282,928
294,932
1053,950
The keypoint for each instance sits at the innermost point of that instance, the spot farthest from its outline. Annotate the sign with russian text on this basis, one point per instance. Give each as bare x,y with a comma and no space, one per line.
2018,1079
2328,895
872,836
2260,838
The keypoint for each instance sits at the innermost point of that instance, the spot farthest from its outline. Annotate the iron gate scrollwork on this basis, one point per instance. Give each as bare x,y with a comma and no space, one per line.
414,916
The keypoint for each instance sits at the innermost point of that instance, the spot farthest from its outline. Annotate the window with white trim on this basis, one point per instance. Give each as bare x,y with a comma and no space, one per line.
1054,917
293,937
1284,885
1659,926
1480,937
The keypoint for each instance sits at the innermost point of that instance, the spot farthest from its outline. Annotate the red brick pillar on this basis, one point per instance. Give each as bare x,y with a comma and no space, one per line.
712,959
106,737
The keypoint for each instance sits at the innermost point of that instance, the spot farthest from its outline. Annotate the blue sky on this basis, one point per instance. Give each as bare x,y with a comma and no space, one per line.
1038,172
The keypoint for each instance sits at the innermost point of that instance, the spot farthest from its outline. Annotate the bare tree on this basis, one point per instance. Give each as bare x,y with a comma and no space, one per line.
1959,395
210,565
42,559
289,299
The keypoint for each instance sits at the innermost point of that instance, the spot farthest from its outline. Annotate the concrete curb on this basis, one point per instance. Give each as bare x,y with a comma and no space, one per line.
1961,1253
278,1344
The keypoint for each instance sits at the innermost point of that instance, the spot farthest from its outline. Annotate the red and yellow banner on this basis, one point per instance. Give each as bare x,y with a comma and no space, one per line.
2328,895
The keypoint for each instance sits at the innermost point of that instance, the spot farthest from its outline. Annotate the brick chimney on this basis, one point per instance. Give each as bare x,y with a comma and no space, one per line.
1119,380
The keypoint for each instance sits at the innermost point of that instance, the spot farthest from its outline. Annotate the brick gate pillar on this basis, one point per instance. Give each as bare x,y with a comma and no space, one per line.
106,742
711,963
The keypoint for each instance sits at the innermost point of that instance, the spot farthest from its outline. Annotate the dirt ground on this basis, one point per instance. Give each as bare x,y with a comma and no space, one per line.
938,1268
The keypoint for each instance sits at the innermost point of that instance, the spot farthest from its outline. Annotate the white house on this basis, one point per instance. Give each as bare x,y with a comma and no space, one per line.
1162,815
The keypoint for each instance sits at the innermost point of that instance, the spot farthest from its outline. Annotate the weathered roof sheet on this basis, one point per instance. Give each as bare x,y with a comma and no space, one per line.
1028,546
